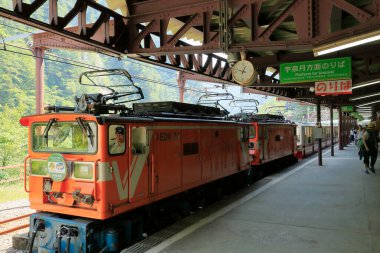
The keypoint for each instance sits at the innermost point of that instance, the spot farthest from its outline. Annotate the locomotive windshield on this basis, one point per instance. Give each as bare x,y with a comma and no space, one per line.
66,137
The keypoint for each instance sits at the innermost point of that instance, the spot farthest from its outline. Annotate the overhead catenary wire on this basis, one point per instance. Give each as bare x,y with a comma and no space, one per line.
133,61
48,59
93,67
89,66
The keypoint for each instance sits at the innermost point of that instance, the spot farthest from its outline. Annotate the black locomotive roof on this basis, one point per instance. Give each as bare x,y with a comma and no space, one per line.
260,118
169,111
173,107
117,119
267,117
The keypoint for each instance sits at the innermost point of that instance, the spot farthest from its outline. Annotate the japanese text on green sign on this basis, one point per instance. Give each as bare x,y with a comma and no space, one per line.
347,108
318,70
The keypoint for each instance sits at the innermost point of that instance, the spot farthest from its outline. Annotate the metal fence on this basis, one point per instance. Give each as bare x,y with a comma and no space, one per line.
15,176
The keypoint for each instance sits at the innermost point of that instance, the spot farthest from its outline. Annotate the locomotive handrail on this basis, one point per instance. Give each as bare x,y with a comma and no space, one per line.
26,158
153,176
95,178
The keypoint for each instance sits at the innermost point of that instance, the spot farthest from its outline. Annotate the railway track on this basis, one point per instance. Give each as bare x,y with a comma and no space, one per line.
14,220
11,228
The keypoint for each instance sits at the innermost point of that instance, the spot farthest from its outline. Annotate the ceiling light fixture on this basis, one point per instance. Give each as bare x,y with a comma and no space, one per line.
364,108
366,96
369,103
364,84
347,43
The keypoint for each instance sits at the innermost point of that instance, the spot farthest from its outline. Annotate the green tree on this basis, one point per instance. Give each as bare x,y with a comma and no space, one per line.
272,106
13,138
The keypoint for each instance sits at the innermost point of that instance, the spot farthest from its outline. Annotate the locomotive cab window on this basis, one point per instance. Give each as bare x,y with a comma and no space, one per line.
116,139
139,140
244,134
252,132
67,137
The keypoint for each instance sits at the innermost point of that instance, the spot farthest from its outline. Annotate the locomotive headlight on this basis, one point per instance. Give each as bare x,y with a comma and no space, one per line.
83,170
38,167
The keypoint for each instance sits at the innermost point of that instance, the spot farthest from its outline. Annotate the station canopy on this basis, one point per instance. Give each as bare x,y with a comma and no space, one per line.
297,47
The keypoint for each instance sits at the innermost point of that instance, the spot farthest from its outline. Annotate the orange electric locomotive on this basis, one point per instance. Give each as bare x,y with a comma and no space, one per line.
272,139
101,159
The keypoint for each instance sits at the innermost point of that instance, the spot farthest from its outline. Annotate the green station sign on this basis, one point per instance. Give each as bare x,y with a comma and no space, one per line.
354,114
347,108
317,70
357,116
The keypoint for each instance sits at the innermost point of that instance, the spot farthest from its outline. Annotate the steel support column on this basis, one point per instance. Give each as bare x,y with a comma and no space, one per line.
340,128
39,53
332,129
348,129
319,139
345,129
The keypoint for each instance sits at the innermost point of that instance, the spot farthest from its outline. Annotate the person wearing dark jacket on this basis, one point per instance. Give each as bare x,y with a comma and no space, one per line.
370,138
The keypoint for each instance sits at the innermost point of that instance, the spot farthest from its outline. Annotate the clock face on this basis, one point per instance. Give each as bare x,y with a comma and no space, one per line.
243,72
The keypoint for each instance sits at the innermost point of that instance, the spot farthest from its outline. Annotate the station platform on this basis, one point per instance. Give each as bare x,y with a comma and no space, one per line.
305,208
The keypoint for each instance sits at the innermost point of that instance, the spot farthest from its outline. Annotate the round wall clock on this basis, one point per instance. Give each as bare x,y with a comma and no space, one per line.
244,73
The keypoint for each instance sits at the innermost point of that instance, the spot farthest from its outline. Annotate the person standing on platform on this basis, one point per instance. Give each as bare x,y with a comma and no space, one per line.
370,138
359,143
352,138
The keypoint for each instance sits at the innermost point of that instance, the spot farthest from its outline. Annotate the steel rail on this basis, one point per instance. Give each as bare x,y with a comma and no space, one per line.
16,227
